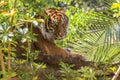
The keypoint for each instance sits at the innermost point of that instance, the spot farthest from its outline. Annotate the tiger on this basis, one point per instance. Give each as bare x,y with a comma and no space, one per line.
54,28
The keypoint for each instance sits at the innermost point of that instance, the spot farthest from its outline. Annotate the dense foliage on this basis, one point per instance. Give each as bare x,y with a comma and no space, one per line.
94,31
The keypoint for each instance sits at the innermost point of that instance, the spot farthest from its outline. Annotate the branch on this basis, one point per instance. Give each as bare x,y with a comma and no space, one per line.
116,74
2,63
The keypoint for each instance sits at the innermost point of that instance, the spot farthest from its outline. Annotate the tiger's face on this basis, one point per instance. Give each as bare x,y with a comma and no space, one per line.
56,24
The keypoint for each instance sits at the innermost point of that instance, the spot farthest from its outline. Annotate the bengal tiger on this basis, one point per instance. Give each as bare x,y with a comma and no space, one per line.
54,28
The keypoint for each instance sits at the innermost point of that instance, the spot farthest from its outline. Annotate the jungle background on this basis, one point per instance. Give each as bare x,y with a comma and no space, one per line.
94,31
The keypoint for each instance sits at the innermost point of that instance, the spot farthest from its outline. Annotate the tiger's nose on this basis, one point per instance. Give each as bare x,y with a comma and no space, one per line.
62,35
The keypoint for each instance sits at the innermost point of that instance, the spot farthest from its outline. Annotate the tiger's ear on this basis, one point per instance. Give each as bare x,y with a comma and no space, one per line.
62,6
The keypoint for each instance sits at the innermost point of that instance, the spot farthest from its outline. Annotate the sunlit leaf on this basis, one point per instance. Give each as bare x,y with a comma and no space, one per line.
11,13
1,28
114,69
35,78
20,30
115,6
116,15
25,30
41,20
43,67
5,13
5,38
10,34
24,40
2,3
20,61
35,23
13,74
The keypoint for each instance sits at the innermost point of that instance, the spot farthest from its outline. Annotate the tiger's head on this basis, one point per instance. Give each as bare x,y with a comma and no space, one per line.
56,24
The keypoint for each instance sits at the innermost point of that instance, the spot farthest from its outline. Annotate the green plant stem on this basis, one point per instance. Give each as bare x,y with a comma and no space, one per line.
2,63
29,49
9,63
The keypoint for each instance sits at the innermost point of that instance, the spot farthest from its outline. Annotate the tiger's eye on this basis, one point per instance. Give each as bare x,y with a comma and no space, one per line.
51,29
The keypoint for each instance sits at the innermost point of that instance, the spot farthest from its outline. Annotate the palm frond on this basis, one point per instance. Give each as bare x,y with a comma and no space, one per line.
95,34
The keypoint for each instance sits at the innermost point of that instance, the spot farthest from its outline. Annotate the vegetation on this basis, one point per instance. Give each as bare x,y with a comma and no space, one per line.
94,31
